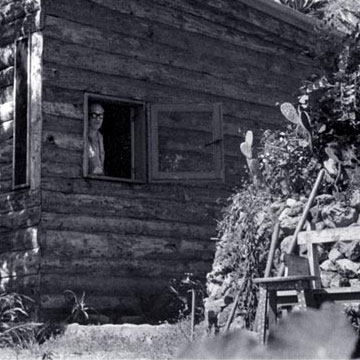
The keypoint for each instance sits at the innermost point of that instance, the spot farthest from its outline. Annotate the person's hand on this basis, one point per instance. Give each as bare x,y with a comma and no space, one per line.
98,171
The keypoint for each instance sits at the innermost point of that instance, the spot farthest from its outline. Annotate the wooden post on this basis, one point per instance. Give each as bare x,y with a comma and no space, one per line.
193,298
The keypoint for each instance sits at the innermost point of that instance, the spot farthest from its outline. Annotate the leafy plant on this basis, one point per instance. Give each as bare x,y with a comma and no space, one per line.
13,316
80,310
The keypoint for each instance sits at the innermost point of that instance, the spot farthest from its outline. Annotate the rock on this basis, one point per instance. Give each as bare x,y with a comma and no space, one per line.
328,265
355,200
224,315
288,223
354,282
326,277
291,202
296,209
320,225
339,281
215,305
335,254
338,215
348,267
285,244
323,253
324,199
352,250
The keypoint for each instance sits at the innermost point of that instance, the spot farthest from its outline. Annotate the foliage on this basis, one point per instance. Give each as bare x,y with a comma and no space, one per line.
305,6
13,313
80,310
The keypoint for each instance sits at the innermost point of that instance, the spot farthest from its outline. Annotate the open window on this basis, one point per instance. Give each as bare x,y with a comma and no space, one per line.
186,142
21,114
115,139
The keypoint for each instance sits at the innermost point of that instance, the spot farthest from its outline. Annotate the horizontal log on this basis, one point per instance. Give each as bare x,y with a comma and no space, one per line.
6,94
7,111
149,13
75,245
6,151
127,268
186,193
89,60
53,154
189,212
329,235
69,170
19,240
17,10
6,172
63,141
5,186
20,219
20,27
7,56
77,79
25,285
250,68
7,77
77,222
236,114
63,124
20,263
120,303
55,284
19,200
63,109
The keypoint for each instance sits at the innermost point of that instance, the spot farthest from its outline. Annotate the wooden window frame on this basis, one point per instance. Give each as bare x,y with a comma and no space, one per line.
26,184
138,149
217,175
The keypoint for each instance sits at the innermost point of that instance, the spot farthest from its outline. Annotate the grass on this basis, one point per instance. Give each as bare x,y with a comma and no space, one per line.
95,342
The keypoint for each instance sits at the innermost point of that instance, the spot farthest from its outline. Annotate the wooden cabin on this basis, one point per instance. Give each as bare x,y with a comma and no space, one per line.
179,82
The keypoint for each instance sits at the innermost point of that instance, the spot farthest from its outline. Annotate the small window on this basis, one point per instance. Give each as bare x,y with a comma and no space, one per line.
186,142
115,139
21,114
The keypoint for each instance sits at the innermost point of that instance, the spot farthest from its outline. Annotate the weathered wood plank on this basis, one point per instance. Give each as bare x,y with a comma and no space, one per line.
99,82
20,219
51,153
19,263
127,268
6,172
226,67
224,28
6,77
87,59
77,222
236,114
73,244
329,235
19,200
71,170
63,109
27,285
190,212
5,185
6,151
189,192
19,240
98,302
164,33
60,124
63,141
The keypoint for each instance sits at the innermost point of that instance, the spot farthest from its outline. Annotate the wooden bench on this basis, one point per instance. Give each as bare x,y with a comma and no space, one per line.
302,285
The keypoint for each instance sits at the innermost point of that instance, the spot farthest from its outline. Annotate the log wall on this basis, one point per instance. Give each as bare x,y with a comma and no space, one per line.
118,242
20,209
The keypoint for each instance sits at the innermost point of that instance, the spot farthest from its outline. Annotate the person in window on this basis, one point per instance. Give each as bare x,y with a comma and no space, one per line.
96,144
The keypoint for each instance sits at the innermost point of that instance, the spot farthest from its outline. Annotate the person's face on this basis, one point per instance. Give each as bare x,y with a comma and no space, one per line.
96,119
